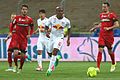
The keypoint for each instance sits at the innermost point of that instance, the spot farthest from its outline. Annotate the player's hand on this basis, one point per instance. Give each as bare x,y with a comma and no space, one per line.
107,28
5,40
34,32
28,36
68,42
48,35
92,30
9,35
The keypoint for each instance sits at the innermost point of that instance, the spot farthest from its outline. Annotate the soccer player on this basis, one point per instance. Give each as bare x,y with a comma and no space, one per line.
43,39
10,48
24,29
106,38
57,23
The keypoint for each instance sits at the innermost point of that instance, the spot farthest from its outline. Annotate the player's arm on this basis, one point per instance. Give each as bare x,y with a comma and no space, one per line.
95,26
48,28
11,26
9,35
116,24
68,38
68,33
31,30
37,30
31,25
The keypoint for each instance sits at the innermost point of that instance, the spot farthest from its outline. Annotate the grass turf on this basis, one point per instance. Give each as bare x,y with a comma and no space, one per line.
64,71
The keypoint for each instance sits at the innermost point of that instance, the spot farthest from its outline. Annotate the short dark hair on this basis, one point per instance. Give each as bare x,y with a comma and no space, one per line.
42,10
108,4
24,5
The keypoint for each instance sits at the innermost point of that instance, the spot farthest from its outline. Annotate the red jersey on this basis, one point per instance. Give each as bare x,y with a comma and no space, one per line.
13,41
107,20
23,24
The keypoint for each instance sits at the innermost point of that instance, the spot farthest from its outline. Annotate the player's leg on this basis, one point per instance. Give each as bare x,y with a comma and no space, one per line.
15,51
52,61
28,57
99,56
40,47
57,58
57,44
112,56
39,60
22,60
9,60
10,50
22,46
111,53
49,47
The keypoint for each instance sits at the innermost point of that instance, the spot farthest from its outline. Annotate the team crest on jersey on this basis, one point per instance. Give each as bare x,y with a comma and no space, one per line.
41,27
58,27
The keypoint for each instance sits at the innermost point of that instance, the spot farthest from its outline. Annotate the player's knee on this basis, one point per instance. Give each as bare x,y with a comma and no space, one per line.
39,52
15,51
55,51
10,51
100,49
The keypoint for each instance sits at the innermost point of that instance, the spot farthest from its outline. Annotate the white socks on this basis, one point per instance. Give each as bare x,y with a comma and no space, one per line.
52,61
39,60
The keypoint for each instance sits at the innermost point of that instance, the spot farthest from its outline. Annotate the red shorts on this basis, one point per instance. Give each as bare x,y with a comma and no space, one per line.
13,42
106,41
17,43
22,44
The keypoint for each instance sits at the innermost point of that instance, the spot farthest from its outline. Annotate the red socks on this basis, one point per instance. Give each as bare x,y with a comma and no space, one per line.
10,59
99,58
15,60
22,59
112,56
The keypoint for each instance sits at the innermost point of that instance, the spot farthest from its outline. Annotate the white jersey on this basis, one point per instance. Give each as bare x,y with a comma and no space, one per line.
57,26
42,40
41,26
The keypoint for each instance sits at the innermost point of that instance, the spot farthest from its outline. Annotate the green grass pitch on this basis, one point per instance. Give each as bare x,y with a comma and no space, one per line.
64,71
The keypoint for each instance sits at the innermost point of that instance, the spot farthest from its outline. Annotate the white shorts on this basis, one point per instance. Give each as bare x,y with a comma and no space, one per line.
41,43
56,43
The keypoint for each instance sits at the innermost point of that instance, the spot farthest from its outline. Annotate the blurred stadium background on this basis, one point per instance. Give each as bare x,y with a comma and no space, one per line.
81,13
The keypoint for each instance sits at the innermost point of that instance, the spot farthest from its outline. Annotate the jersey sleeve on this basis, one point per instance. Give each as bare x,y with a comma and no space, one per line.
38,22
12,24
68,24
114,17
31,26
48,22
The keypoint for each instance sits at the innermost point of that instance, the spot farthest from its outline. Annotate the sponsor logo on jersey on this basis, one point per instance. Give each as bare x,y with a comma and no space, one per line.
105,20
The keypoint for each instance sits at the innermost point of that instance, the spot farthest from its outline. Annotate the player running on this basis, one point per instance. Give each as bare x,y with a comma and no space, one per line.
43,39
24,29
11,45
10,48
57,23
106,38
